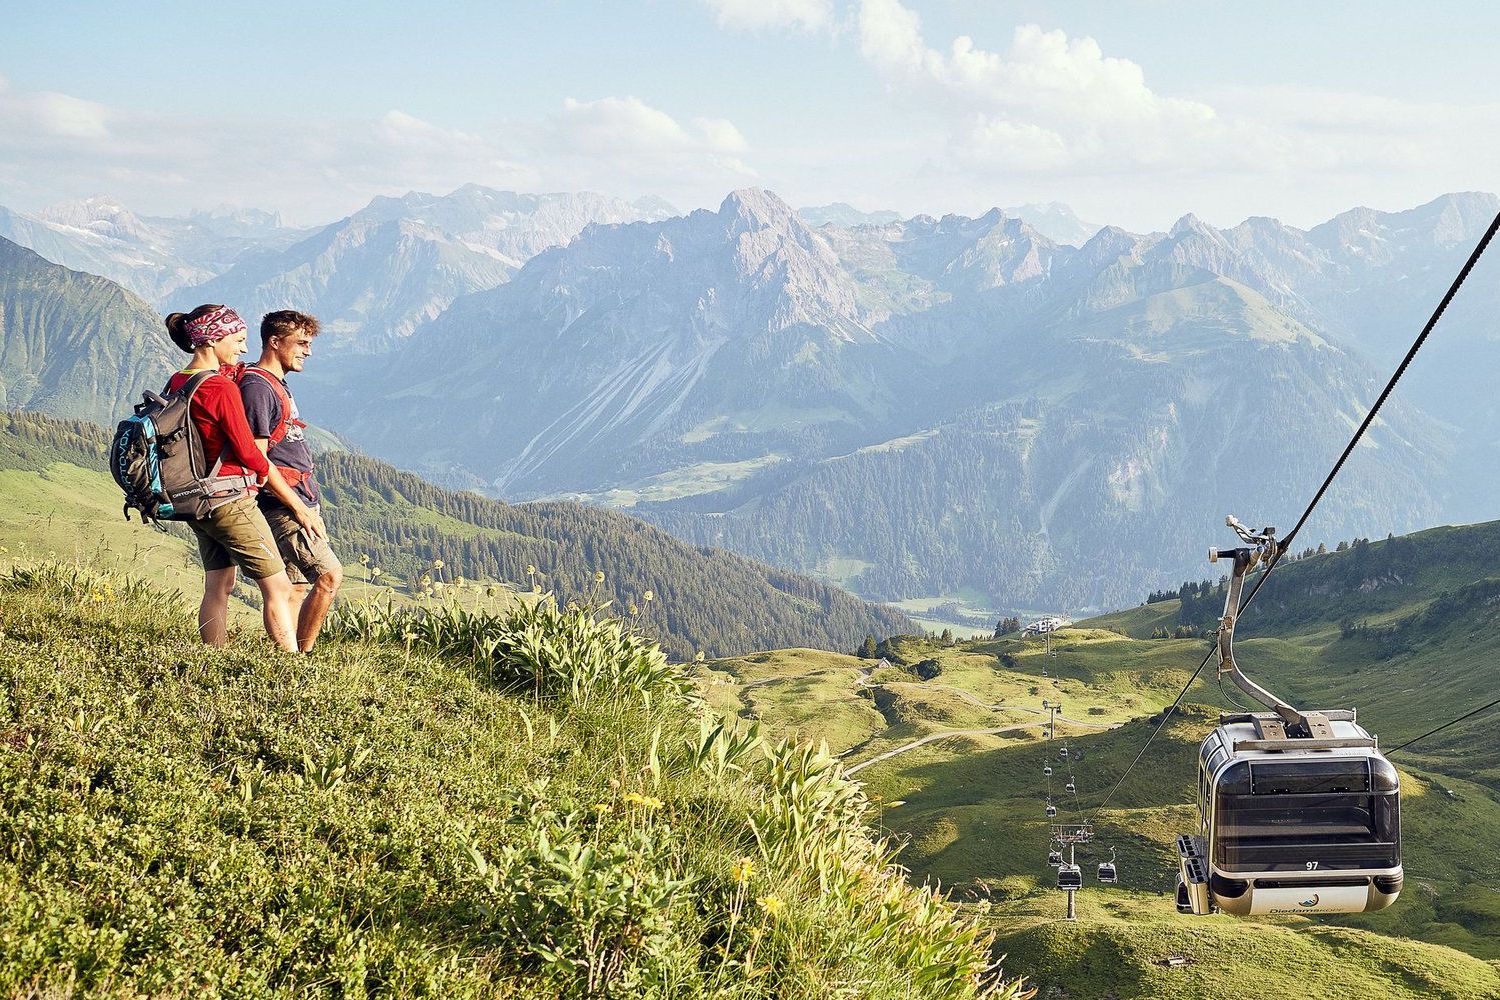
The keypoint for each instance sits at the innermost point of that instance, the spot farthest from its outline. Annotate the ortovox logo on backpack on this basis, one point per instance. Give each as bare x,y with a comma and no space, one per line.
157,458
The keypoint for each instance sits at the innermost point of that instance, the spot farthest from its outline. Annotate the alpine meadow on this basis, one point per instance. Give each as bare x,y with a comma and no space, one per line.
862,499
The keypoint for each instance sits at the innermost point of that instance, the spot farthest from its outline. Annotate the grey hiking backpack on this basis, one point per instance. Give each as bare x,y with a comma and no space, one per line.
157,458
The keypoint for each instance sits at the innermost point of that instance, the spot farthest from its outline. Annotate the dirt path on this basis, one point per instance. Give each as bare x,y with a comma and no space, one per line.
933,738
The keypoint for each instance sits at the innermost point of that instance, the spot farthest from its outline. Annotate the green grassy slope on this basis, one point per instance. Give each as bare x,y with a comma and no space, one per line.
1404,635
380,819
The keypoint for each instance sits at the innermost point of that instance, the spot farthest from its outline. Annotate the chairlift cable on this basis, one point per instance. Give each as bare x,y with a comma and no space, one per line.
1285,544
1452,722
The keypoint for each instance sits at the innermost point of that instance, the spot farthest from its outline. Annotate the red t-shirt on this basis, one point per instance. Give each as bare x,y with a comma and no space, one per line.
220,417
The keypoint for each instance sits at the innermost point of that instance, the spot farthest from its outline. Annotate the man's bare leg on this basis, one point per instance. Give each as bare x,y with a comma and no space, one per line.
276,610
213,612
315,605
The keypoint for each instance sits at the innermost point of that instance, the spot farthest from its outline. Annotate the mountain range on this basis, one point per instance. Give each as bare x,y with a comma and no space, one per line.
375,276
929,406
913,408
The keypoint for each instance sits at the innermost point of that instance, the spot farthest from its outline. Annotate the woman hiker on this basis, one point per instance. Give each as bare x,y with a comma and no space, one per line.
235,533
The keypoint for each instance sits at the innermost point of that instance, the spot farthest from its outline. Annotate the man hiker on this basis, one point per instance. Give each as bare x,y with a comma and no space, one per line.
315,572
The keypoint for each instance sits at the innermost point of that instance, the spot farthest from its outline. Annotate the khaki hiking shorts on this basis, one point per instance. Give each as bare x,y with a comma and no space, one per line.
236,534
306,558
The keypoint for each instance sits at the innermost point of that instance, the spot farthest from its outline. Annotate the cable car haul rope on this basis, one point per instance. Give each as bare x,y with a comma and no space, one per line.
1298,811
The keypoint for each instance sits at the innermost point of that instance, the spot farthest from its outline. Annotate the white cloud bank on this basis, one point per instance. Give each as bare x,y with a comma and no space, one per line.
56,147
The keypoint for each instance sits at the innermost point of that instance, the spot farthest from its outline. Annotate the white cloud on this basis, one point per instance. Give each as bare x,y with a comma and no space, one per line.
756,15
1048,102
58,147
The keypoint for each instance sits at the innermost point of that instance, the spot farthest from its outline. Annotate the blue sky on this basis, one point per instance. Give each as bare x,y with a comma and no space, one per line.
1133,112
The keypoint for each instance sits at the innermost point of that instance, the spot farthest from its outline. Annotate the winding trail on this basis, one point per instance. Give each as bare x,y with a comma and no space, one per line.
862,680
933,738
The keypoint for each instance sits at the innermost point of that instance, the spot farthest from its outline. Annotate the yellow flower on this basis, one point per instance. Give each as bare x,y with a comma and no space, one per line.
437,564
425,580
648,597
375,573
644,801
770,905
364,559
598,576
490,591
632,608
744,868
530,570
602,807
536,588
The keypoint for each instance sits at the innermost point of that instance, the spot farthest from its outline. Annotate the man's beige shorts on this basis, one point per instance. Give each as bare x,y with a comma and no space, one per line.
236,534
306,558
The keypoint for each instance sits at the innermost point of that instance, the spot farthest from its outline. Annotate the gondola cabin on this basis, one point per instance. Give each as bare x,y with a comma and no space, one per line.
1308,824
1051,810
1054,859
1107,874
1070,877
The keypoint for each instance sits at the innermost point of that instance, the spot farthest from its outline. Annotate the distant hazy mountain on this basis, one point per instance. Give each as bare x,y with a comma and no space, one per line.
1055,221
73,344
915,408
375,276
843,214
151,256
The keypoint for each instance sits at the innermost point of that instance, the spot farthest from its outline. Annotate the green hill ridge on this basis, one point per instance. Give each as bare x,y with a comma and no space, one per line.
701,599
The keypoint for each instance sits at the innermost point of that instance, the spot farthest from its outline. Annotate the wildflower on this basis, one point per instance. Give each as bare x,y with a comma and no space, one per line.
598,576
744,868
364,559
426,580
632,608
648,597
536,588
375,573
770,905
530,570
459,582
644,801
490,591
756,933
437,564
602,807
409,635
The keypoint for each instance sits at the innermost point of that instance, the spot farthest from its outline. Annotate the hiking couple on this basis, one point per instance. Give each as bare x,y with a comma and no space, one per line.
270,526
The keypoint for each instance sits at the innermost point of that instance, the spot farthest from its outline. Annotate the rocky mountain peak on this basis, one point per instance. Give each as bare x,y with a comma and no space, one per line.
98,213
756,208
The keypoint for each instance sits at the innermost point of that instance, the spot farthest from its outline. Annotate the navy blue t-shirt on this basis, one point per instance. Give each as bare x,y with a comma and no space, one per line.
263,410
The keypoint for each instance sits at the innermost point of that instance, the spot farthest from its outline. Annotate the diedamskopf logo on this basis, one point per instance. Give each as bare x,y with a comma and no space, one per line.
1310,902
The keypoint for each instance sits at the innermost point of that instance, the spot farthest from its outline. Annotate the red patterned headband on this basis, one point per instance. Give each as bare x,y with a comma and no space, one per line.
210,327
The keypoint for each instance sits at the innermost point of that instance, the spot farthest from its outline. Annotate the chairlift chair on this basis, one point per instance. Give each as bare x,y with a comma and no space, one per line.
1298,812
1107,873
1069,877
